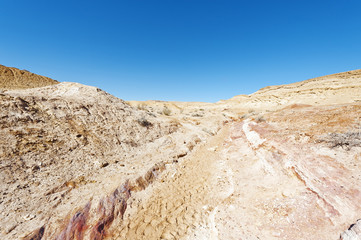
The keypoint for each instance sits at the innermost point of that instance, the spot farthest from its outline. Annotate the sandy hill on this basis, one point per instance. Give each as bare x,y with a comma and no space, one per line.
67,145
282,163
13,78
331,89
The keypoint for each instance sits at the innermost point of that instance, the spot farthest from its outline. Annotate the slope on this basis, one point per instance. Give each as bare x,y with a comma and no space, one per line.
13,78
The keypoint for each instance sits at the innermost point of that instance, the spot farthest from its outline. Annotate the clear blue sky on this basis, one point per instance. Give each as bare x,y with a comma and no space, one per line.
183,50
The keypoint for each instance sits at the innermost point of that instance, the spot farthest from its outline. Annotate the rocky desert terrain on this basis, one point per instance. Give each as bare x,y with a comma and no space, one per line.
79,163
13,78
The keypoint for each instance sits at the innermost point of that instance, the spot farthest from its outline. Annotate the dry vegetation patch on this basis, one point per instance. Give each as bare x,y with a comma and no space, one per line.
315,122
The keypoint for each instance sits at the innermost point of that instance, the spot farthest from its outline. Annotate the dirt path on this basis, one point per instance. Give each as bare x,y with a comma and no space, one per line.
246,183
183,205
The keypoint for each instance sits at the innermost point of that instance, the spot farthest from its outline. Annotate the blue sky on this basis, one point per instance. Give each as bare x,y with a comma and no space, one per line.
182,50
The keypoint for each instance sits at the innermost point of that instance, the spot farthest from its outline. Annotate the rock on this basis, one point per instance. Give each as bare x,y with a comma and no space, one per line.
29,217
353,233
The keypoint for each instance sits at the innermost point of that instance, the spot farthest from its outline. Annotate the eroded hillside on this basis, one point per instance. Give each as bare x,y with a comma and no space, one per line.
332,89
66,144
13,78
282,163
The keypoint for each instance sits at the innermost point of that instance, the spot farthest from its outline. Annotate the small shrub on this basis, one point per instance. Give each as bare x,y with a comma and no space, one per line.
208,131
345,140
197,115
141,106
244,116
166,111
144,122
260,119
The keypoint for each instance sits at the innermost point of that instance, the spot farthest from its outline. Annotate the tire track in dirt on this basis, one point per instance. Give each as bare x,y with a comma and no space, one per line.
184,202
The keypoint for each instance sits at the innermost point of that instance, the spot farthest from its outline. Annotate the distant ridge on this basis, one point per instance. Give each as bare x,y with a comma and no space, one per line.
350,76
336,88
13,78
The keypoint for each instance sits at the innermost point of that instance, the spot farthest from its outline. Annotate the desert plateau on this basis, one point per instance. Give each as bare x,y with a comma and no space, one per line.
79,163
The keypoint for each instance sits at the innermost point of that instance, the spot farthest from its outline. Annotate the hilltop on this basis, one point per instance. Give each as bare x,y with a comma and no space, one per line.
13,78
331,89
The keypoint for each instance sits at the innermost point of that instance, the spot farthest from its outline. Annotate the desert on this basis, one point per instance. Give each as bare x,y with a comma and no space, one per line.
79,163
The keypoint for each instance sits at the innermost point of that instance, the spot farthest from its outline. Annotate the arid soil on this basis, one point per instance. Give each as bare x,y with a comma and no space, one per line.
13,78
282,163
59,142
257,180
